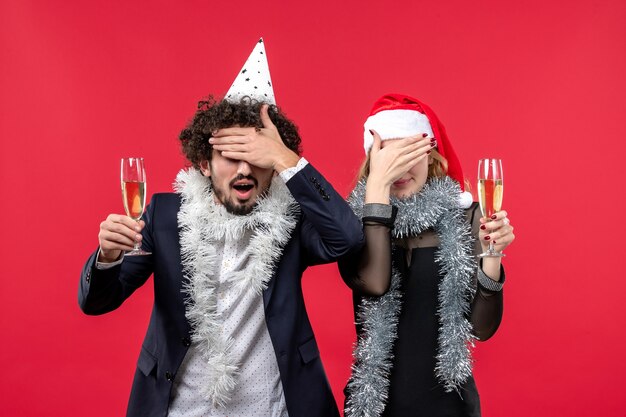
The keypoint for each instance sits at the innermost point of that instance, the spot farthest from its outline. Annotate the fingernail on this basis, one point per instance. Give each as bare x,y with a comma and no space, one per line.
371,132
493,217
483,227
427,152
433,144
433,140
487,238
137,237
424,135
211,140
494,242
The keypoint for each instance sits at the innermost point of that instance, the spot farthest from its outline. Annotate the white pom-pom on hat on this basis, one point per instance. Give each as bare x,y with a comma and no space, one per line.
465,199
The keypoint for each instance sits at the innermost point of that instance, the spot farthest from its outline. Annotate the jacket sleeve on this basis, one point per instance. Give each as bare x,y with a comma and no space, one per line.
487,306
329,227
103,290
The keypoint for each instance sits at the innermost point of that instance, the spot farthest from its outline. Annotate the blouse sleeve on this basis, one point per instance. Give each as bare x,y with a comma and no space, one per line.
487,305
368,272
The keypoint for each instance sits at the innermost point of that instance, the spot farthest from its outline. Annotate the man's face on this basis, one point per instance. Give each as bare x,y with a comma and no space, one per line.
236,184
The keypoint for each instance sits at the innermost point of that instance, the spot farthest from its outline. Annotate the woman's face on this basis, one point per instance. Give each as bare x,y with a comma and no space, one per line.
413,180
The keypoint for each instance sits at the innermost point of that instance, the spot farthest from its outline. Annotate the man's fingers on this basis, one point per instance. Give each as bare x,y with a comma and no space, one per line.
232,131
235,147
125,221
238,156
265,117
115,241
227,140
236,134
120,229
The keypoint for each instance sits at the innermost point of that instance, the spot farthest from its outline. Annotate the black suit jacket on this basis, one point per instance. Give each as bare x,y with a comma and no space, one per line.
326,229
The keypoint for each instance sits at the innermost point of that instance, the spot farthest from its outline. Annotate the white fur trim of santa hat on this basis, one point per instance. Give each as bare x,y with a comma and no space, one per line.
395,124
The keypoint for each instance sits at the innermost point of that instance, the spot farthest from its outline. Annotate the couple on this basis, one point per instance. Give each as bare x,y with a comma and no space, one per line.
229,333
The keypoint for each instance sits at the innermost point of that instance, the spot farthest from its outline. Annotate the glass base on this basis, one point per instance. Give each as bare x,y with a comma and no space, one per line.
137,252
491,254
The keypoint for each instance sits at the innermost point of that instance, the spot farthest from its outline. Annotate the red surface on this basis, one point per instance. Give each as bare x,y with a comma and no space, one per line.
538,84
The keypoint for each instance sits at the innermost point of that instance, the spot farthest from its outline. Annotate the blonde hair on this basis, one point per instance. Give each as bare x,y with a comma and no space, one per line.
437,168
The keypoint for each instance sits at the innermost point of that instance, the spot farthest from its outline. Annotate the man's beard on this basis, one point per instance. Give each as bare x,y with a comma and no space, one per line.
238,209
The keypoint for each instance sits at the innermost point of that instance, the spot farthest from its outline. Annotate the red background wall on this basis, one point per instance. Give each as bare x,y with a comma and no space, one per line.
539,84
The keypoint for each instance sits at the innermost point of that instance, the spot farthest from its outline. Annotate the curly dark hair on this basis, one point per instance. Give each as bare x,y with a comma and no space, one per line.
212,115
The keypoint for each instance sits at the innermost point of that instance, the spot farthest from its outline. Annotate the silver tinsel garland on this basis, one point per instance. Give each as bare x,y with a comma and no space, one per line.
435,206
203,224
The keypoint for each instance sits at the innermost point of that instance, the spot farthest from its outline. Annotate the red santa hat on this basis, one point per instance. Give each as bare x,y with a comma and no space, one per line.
396,116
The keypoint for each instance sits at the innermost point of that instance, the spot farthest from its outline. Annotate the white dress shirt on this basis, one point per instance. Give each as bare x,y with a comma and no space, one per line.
259,390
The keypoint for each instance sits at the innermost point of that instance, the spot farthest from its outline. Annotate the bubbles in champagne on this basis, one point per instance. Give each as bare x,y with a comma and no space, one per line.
497,195
134,198
490,194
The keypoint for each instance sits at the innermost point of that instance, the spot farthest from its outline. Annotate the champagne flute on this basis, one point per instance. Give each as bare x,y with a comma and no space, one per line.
490,192
133,176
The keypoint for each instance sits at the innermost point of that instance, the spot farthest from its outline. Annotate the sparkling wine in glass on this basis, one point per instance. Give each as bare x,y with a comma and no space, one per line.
133,176
490,192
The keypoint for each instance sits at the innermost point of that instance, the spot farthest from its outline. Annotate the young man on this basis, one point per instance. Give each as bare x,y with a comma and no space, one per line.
229,333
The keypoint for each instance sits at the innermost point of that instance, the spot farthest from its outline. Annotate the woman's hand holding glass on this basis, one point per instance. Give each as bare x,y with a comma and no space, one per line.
496,230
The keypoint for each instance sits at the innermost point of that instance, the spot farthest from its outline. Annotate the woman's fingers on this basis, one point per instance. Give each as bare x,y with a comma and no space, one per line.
413,154
497,229
377,140
397,156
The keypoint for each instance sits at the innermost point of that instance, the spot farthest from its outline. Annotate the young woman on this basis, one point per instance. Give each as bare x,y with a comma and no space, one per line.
421,295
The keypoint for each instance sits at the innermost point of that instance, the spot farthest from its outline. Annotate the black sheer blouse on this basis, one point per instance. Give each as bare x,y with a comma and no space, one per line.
414,389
